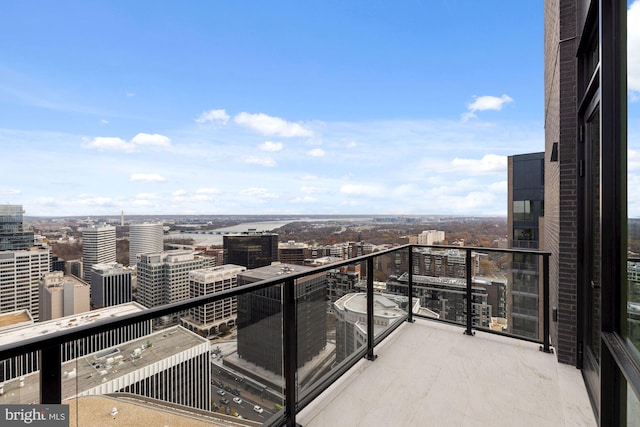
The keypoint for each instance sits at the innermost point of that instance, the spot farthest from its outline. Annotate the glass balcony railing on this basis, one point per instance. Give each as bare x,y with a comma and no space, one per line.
275,344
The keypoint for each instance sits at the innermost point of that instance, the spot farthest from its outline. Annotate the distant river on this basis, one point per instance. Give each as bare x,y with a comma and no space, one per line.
216,239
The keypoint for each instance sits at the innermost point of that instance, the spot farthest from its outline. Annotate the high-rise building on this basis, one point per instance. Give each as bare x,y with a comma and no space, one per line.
144,238
98,247
210,319
12,235
110,285
430,237
260,325
20,273
62,295
293,253
525,227
163,277
251,250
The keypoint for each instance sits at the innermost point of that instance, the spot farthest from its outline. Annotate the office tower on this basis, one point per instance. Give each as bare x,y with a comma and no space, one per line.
98,246
351,331
260,324
444,262
163,277
12,235
110,285
213,318
430,237
20,273
144,238
251,250
525,226
293,253
62,296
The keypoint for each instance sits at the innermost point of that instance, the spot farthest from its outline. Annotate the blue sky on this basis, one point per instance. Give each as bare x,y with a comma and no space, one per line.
314,107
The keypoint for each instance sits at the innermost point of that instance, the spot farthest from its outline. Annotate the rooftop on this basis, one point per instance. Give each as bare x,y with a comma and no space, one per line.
51,326
430,373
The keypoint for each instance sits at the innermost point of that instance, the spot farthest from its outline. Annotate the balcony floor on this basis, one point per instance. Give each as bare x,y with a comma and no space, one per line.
431,374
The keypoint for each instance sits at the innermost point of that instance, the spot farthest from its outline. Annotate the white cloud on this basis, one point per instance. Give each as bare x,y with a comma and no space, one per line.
151,139
129,94
213,116
633,159
269,125
262,161
118,144
309,178
178,193
271,146
490,163
312,190
360,190
104,122
111,143
147,196
260,193
483,103
316,152
148,177
633,50
9,191
208,191
304,199
499,187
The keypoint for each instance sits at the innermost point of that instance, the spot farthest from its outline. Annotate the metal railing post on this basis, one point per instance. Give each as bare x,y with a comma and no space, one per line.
545,304
370,317
469,330
410,307
290,348
51,375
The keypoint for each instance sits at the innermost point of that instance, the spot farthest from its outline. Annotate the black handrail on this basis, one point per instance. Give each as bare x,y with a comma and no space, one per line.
49,345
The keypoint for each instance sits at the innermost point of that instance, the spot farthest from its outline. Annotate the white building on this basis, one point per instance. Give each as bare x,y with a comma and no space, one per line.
30,362
20,273
98,246
208,318
62,295
430,237
163,277
351,314
144,238
172,365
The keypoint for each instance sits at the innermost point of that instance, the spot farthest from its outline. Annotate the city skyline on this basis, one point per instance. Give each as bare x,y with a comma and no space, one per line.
286,108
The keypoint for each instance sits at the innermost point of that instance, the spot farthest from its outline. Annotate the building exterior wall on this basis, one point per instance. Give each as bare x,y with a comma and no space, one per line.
561,187
20,273
260,318
253,250
144,238
163,277
12,235
98,246
207,319
110,285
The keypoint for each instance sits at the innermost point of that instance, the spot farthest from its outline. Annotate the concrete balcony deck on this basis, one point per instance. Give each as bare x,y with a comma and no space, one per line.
431,374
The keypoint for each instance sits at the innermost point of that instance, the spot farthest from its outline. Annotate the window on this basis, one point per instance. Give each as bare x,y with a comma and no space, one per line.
523,210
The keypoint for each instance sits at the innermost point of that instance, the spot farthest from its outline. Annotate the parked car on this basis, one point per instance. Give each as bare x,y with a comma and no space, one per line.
237,400
224,401
235,391
258,409
221,392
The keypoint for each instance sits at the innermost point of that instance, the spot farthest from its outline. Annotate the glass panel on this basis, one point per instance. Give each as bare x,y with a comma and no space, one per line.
19,377
633,303
593,135
633,408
